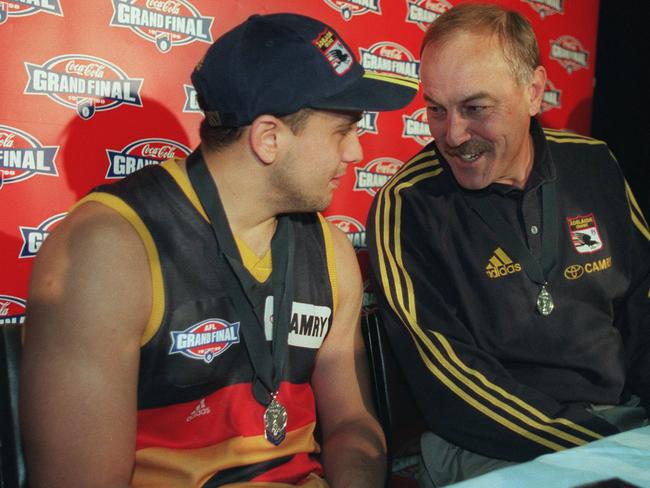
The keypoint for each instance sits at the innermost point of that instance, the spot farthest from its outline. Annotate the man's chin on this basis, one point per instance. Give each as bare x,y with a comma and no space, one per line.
469,180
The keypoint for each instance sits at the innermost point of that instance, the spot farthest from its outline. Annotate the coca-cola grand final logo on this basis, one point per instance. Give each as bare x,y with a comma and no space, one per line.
568,51
552,97
23,156
349,8
33,237
546,7
375,174
12,310
166,23
423,12
191,102
87,84
416,127
389,57
354,229
141,153
23,8
368,123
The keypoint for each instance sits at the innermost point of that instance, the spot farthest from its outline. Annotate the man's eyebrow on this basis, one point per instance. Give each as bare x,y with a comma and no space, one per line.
471,98
477,96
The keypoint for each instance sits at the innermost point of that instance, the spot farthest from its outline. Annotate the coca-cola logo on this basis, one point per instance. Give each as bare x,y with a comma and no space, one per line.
162,152
375,174
166,23
6,140
87,84
23,156
389,57
89,70
390,52
388,167
166,6
141,153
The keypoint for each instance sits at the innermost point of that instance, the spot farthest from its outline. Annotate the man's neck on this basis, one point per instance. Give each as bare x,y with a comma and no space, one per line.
242,197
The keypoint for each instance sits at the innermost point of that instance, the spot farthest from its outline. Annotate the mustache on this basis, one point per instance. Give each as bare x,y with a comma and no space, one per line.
473,146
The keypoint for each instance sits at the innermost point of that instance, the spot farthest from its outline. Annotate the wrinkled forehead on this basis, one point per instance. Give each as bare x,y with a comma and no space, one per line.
463,66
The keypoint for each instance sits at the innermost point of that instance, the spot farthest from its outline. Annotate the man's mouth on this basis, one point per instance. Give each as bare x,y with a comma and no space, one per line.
470,157
469,151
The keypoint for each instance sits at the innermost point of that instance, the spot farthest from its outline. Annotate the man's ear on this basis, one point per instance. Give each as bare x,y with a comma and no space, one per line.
536,90
264,137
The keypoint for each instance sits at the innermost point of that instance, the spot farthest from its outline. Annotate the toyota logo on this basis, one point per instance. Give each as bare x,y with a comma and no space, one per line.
573,272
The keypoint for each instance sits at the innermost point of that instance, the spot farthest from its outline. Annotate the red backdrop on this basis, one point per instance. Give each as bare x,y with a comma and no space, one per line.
92,91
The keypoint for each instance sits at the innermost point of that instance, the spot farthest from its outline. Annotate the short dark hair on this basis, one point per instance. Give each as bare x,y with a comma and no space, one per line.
515,34
215,138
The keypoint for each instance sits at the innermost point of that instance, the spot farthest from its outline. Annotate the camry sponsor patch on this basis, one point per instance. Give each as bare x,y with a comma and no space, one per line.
577,271
205,340
584,233
308,325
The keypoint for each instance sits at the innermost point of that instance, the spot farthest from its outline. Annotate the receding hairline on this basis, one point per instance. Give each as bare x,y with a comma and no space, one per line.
512,32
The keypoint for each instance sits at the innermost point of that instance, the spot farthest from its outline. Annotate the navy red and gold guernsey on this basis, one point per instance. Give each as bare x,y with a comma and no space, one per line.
198,421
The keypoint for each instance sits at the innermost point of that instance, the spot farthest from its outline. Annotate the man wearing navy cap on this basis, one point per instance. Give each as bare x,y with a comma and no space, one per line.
185,325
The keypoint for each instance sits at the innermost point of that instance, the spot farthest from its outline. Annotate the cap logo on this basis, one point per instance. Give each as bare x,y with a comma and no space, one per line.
334,51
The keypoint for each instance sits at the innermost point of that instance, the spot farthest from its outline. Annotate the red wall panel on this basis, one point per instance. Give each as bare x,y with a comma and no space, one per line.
93,90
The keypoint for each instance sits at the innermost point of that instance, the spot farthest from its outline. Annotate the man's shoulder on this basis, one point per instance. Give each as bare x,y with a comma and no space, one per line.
578,153
422,172
569,142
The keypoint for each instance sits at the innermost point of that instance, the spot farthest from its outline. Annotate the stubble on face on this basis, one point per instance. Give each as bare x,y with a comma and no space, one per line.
465,73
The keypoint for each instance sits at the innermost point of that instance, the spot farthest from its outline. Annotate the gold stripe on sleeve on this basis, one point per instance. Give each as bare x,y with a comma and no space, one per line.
181,179
157,288
635,212
393,274
329,256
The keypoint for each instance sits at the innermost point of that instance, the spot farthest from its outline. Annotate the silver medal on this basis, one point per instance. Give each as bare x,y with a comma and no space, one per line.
275,422
545,303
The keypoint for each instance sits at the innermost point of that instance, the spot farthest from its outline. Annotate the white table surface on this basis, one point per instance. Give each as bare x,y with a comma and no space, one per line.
625,456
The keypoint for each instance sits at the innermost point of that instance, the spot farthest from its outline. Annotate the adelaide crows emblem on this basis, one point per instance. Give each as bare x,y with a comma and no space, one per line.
584,233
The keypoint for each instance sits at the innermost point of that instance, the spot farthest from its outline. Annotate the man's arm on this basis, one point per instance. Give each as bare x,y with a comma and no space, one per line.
633,317
354,449
465,394
89,300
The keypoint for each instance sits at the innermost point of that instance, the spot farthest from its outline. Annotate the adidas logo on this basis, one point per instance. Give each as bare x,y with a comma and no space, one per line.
200,409
501,265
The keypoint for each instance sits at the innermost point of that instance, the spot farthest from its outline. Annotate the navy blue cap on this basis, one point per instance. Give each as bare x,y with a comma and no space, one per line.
279,63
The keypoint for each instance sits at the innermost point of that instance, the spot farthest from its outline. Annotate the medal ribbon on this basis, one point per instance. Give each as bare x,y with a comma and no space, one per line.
268,365
535,271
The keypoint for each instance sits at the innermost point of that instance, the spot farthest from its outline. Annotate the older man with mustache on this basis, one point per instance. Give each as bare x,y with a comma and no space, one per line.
511,263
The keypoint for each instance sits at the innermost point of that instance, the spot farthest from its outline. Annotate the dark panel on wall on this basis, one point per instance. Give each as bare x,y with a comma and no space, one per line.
620,113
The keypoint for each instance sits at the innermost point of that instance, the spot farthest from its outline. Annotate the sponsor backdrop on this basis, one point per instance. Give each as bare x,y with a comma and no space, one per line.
92,91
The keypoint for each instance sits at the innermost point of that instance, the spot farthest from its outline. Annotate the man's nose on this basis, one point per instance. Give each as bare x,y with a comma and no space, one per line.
352,151
457,130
